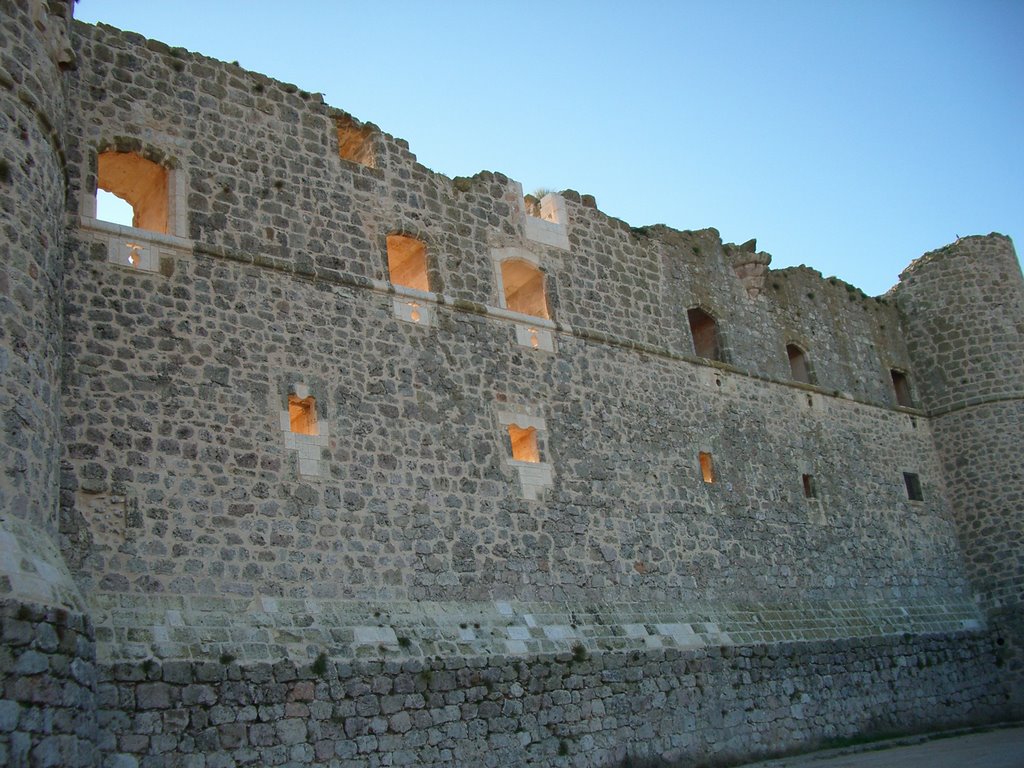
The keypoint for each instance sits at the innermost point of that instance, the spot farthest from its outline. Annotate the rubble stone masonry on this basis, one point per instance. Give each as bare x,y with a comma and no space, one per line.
266,501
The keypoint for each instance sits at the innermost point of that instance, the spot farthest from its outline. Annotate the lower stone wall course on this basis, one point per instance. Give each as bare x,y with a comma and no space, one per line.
706,706
47,687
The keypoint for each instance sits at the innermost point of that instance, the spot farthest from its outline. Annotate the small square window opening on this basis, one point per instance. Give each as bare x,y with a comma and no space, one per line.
524,288
524,443
302,415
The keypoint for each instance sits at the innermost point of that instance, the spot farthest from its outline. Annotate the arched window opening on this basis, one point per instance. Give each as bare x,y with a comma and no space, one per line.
407,262
524,443
302,415
901,386
140,183
704,330
798,366
524,288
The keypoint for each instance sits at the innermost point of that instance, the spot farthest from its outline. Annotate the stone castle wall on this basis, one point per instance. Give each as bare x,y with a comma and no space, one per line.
417,498
179,480
969,352
399,586
709,706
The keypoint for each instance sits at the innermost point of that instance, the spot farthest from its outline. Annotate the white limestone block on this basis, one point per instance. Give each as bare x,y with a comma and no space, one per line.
415,312
533,337
559,632
518,633
547,233
374,636
635,630
515,646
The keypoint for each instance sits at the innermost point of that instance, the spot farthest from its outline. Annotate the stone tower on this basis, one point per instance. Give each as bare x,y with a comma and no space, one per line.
49,670
963,306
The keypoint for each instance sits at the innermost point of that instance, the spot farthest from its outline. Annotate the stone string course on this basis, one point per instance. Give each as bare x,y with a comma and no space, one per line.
268,629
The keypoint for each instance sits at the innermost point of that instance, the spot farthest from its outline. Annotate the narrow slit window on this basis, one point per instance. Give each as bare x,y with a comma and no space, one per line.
139,183
913,483
524,288
524,443
407,262
901,386
355,141
302,415
810,487
707,467
798,367
704,330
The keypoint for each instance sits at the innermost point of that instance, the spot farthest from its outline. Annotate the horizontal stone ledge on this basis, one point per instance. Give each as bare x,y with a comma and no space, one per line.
265,629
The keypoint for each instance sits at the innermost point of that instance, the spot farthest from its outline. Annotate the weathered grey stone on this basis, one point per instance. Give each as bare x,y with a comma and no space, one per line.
31,663
9,711
415,592
153,696
291,730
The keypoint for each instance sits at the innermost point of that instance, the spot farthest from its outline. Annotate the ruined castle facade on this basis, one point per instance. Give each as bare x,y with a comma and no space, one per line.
330,459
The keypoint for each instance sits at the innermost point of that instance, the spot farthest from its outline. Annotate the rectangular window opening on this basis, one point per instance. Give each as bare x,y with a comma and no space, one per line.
810,487
302,415
913,483
798,367
901,386
407,262
524,288
707,467
524,443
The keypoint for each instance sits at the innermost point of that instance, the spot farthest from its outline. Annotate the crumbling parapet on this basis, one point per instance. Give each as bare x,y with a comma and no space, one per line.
749,264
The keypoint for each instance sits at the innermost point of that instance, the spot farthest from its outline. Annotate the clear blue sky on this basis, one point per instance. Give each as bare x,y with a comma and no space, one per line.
849,136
